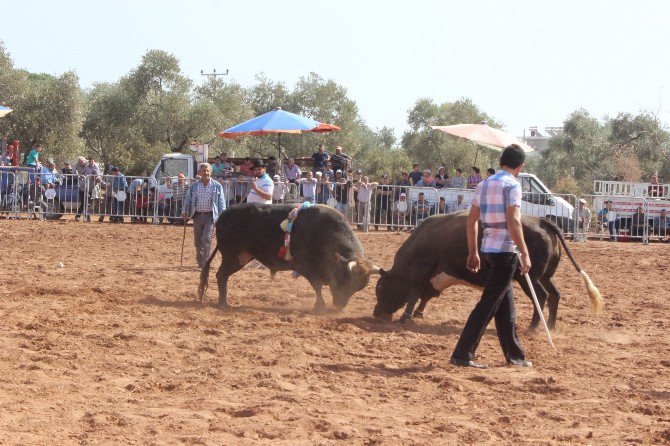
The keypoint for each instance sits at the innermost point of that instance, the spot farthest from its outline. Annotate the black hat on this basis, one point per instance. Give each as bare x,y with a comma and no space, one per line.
259,163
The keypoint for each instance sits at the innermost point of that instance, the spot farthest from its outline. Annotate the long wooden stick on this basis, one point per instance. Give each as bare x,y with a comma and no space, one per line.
183,240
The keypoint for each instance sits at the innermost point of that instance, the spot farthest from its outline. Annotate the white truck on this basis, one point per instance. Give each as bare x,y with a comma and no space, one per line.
537,200
171,164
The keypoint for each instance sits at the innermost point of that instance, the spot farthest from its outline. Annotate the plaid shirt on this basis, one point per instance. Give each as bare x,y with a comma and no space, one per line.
493,196
203,201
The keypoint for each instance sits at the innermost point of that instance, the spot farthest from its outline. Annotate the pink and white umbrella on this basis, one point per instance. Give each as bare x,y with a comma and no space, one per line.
483,135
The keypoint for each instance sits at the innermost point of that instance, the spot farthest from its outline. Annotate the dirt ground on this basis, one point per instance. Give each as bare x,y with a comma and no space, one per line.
113,348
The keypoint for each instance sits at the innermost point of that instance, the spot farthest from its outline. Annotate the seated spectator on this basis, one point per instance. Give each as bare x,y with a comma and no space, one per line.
457,205
401,210
218,168
383,202
141,204
403,181
475,178
442,207
583,217
490,171
662,226
165,199
279,191
655,189
49,174
457,181
442,178
309,186
416,174
427,180
638,224
421,209
339,160
608,218
115,183
292,171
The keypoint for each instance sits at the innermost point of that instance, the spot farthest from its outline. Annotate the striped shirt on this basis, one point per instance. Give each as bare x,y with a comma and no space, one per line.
203,201
493,196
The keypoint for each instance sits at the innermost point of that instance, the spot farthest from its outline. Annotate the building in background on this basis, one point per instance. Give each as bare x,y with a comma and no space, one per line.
539,139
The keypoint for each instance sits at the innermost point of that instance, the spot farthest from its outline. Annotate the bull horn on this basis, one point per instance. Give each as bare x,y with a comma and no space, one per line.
351,265
375,270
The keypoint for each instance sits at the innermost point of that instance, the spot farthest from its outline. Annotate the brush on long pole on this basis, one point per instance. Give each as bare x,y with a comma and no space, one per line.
183,240
536,303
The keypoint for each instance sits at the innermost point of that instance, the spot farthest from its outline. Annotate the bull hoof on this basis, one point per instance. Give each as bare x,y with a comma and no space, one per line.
224,306
418,314
319,308
405,318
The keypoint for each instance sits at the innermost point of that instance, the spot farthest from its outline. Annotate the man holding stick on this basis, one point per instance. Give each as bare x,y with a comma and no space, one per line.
496,203
203,203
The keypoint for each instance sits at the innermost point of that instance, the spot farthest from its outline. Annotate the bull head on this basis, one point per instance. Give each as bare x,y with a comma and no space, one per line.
349,277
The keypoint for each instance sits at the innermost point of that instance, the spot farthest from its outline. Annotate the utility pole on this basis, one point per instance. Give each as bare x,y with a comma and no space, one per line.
213,74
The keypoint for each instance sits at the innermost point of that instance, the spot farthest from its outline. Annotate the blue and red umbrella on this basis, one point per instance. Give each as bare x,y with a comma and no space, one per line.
277,122
4,110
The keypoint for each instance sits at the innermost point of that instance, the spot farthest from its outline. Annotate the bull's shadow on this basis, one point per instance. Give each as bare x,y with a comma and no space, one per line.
182,304
380,370
373,325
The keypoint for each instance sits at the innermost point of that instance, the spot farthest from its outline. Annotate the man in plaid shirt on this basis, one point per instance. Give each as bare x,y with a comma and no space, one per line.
497,204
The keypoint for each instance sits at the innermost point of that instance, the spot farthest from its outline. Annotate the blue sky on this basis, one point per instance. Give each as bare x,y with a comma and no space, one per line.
524,62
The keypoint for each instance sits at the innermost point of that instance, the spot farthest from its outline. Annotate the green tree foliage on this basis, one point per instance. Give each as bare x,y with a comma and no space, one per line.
432,148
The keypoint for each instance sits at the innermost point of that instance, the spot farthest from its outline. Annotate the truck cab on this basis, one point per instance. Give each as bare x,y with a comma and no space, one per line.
539,201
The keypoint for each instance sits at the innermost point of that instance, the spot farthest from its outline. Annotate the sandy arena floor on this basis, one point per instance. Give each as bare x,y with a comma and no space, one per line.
114,349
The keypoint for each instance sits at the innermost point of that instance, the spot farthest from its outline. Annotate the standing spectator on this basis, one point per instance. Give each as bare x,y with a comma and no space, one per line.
403,181
96,198
608,218
241,188
165,198
86,181
662,226
422,209
247,168
475,178
309,186
227,165
271,168
364,189
179,191
328,172
134,190
490,171
427,180
81,165
323,189
357,178
342,191
203,203
279,191
339,160
655,189
262,186
7,157
116,182
292,171
416,174
68,178
383,201
320,158
442,178
457,181
33,158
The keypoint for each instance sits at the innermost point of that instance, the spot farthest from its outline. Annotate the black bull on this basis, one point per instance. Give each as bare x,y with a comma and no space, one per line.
324,249
434,258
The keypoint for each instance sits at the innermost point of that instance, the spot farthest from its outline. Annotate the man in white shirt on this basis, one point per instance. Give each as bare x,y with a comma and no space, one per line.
292,171
279,189
262,187
364,190
309,187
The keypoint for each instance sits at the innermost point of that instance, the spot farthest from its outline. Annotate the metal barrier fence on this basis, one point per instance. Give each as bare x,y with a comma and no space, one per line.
621,218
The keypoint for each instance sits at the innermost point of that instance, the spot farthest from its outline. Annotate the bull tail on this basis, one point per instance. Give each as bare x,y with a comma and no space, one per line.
597,302
204,274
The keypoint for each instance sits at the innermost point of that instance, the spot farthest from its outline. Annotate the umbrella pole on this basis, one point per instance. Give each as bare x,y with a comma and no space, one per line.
279,147
476,154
